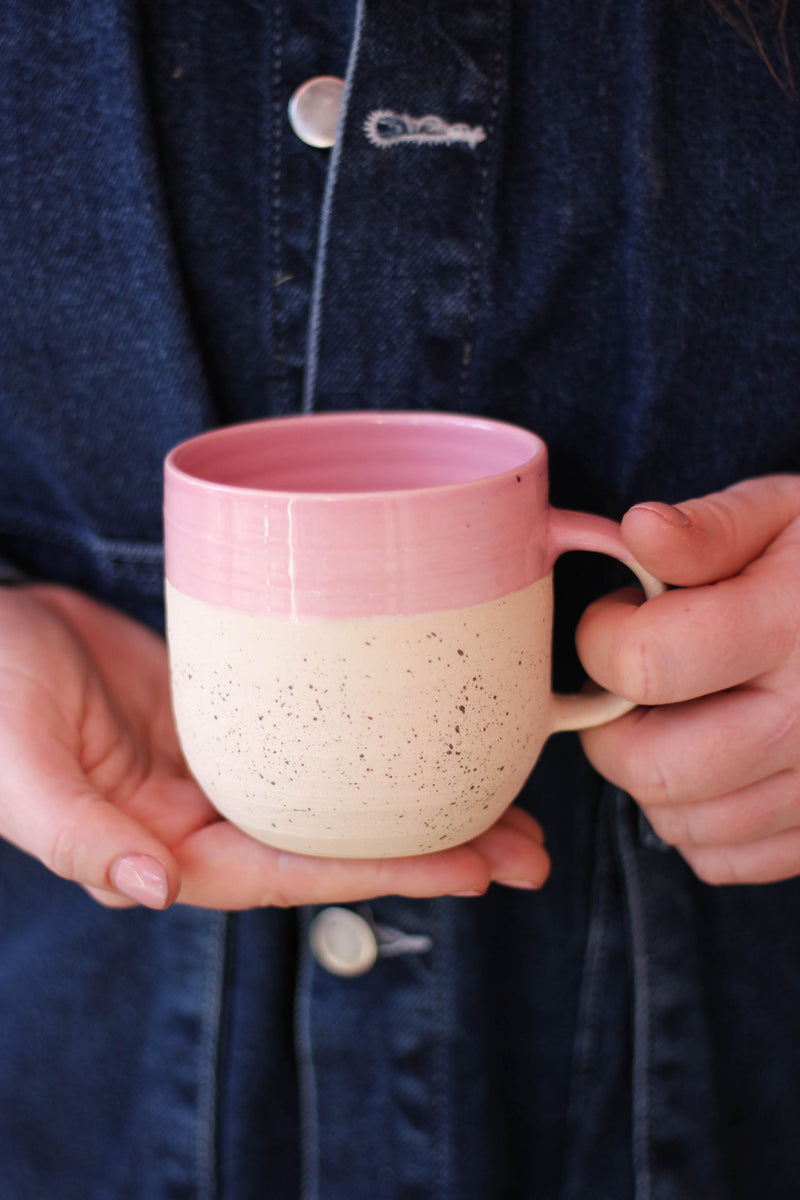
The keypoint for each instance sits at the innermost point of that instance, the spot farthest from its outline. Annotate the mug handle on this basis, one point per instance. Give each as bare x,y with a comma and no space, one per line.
585,531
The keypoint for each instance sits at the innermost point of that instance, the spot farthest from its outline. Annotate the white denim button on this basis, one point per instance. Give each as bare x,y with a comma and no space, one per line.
343,942
314,110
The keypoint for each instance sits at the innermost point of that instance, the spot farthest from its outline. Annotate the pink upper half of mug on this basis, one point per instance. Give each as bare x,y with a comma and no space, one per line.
357,514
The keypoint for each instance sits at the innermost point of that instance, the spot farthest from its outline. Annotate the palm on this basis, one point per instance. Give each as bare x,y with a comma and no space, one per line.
129,747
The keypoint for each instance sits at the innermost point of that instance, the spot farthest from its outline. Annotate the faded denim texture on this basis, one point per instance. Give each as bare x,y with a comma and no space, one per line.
614,265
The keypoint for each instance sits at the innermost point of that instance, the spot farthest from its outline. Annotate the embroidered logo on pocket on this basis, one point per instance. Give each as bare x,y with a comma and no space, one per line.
385,128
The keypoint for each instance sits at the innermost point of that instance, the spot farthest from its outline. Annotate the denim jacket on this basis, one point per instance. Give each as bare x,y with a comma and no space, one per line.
596,234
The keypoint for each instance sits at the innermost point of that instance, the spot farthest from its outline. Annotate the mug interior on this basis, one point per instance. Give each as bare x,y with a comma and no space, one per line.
356,453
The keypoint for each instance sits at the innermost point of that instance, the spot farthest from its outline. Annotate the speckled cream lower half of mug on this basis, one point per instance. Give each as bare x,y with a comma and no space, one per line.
368,737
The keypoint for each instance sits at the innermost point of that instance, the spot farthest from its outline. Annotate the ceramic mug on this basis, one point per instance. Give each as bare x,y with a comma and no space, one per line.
359,611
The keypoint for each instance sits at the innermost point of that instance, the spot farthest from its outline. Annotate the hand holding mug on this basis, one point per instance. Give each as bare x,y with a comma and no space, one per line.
93,782
713,757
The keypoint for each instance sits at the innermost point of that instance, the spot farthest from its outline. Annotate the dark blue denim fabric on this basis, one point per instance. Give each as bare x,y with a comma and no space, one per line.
615,264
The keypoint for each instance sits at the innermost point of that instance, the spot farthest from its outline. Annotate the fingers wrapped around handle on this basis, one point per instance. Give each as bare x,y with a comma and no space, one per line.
584,531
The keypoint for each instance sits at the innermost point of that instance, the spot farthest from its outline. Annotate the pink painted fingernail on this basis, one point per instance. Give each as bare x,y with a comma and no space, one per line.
140,878
666,512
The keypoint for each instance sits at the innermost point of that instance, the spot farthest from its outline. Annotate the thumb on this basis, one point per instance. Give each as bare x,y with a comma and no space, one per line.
714,537
50,810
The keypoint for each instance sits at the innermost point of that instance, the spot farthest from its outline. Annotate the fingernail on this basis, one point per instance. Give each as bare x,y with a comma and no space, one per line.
476,892
667,513
140,878
527,884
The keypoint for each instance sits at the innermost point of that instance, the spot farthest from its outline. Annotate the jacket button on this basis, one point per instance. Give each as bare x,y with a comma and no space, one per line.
343,942
314,110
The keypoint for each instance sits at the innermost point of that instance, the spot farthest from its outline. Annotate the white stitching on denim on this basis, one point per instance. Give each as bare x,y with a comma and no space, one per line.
215,932
274,190
384,128
318,284
641,1043
306,1067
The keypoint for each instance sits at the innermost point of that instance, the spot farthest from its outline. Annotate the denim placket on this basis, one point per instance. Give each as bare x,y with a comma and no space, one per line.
599,1119
403,244
406,227
374,1062
304,41
181,1059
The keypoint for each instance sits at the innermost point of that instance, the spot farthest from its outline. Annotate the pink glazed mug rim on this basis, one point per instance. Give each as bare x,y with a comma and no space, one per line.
180,473
450,537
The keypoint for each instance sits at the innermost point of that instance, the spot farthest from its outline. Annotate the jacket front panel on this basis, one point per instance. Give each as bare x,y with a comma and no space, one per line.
582,221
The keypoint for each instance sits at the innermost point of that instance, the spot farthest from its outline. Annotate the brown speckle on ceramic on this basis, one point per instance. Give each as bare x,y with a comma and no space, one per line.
368,737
